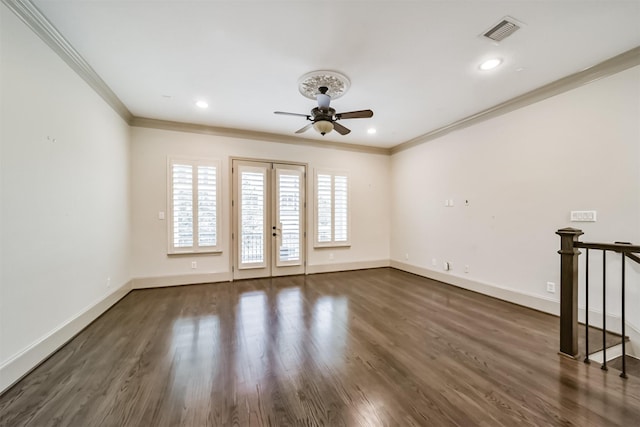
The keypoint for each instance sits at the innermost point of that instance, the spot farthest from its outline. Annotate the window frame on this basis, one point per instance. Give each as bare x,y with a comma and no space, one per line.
332,243
195,248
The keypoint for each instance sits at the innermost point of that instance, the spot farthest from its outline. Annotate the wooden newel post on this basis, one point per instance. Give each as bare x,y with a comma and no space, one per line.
569,290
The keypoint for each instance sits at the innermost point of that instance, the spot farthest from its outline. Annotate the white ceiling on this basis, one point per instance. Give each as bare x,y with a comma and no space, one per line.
414,63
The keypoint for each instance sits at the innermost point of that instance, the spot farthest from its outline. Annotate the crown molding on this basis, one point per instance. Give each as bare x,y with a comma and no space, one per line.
626,60
39,24
254,135
35,20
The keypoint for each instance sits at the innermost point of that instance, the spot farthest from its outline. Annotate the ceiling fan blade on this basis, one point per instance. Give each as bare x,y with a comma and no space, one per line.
362,114
304,129
340,129
292,114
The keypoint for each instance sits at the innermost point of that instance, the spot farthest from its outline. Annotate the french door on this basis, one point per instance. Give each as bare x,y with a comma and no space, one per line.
268,219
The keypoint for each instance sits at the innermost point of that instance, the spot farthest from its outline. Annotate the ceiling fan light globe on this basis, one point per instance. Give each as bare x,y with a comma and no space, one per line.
323,126
323,100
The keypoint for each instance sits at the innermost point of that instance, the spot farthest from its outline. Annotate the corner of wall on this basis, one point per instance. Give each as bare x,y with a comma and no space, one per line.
526,300
31,357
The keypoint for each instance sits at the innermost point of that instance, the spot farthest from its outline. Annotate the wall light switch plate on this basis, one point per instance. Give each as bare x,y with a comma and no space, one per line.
583,216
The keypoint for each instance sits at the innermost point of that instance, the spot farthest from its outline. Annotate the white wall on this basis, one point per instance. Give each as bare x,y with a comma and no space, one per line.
65,203
522,174
369,174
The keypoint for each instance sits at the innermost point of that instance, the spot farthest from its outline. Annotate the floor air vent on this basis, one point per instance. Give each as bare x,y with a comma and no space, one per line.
503,29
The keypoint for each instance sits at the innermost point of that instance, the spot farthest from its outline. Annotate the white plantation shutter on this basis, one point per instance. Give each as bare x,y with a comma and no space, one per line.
182,218
207,206
194,206
340,198
332,208
324,208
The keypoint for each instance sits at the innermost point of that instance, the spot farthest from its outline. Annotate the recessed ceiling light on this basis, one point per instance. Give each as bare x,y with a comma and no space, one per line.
202,104
371,131
490,64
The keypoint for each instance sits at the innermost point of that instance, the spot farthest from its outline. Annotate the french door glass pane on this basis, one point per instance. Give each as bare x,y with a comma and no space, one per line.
289,215
252,217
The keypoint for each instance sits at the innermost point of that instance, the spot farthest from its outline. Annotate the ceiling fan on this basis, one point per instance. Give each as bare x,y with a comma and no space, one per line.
324,119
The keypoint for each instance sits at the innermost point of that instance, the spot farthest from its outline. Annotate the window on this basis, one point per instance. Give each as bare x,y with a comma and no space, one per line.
194,208
332,209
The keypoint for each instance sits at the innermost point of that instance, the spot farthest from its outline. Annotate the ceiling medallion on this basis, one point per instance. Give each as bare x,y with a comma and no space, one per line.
337,84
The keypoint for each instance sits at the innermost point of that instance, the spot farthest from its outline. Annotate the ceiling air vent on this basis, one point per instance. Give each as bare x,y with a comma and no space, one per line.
503,29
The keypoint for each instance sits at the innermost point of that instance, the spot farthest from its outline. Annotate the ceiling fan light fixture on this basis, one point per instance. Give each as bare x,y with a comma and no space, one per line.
323,126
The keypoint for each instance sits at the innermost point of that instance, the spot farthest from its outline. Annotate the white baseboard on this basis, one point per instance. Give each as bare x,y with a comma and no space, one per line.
194,279
528,300
347,266
184,279
28,359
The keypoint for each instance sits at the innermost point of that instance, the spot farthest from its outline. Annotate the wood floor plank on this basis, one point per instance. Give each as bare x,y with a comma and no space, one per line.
367,348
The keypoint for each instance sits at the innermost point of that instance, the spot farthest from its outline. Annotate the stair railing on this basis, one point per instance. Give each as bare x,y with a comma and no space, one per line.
569,252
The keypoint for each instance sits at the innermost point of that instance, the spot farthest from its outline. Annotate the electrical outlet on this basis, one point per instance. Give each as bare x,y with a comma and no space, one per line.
406,256
434,262
446,265
551,287
194,265
466,268
160,215
108,282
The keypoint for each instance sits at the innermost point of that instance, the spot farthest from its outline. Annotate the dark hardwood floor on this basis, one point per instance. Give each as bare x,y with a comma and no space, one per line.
366,348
